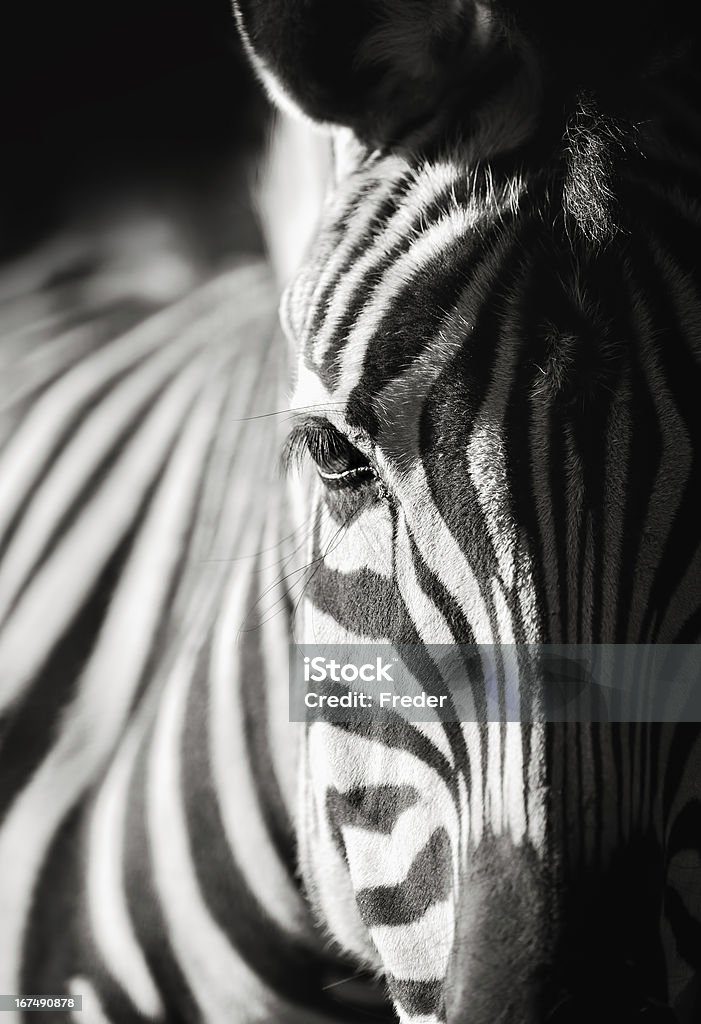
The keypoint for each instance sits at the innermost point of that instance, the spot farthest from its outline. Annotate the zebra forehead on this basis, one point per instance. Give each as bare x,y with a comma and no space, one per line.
384,208
390,293
421,265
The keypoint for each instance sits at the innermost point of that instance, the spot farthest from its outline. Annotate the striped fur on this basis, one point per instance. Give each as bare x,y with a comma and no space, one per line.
497,326
498,336
148,782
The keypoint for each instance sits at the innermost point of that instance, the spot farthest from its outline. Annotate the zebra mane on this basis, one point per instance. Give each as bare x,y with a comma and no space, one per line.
592,144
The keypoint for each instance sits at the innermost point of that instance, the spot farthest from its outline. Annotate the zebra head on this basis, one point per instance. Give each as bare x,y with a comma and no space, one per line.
497,358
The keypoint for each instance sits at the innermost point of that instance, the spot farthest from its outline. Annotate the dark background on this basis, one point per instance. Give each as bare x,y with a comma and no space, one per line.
146,98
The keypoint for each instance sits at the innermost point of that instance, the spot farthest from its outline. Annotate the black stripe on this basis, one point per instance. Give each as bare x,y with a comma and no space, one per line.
252,675
418,998
683,376
428,881
376,808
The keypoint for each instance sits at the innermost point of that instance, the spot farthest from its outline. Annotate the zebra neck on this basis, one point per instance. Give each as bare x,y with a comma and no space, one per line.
140,532
200,796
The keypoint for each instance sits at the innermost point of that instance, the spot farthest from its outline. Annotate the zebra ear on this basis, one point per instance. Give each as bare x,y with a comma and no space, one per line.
371,65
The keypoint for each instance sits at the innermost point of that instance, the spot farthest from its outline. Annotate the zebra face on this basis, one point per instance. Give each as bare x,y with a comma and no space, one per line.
493,334
407,390
479,390
419,395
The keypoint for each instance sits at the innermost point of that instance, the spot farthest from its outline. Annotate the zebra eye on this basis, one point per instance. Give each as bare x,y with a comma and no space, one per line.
338,462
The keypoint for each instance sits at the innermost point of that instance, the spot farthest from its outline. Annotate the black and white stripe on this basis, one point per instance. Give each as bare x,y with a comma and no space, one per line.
147,847
497,364
498,334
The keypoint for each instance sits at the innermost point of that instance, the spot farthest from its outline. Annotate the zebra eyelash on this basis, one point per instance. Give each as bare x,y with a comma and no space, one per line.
338,462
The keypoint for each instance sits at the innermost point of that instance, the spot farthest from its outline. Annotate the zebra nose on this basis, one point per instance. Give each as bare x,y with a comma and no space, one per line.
500,955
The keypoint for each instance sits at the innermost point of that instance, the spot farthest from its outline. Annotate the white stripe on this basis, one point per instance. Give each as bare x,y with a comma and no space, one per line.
487,468
419,951
538,793
514,783
473,746
109,916
290,195
493,804
92,1011
365,543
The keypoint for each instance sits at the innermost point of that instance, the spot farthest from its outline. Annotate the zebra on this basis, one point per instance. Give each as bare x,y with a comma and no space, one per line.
497,334
172,848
